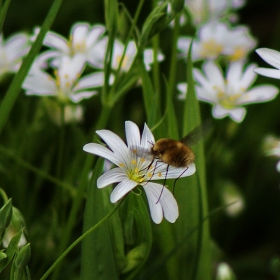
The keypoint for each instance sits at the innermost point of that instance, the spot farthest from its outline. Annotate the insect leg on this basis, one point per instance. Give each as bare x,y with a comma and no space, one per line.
163,183
178,178
153,171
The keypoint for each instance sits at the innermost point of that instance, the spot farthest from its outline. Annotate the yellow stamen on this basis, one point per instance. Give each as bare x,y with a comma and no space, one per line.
211,48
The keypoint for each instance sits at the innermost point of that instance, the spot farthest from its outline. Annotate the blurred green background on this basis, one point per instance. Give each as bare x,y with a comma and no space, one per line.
249,242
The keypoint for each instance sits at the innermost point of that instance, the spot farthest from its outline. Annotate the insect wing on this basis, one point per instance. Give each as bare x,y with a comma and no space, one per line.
197,133
142,152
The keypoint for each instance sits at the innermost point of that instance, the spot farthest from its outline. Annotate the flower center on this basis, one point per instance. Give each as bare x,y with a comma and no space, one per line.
124,62
211,48
227,101
78,47
137,173
239,53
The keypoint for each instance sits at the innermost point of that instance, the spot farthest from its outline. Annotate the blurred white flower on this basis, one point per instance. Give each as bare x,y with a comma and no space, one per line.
132,170
272,57
129,56
12,52
66,84
182,88
217,39
73,113
203,11
228,94
224,272
86,40
233,198
272,148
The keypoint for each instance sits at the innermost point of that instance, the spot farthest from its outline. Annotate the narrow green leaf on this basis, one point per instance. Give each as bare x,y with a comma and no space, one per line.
192,195
138,233
3,13
149,96
15,87
5,215
12,248
97,260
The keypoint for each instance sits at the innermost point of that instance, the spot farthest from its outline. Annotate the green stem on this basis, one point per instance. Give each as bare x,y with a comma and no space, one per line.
174,58
103,119
37,171
118,72
61,141
77,241
155,69
199,230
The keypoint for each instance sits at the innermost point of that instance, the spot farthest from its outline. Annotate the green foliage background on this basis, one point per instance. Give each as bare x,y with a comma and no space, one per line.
250,242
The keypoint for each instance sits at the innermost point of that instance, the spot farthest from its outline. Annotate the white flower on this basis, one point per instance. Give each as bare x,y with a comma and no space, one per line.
132,170
12,52
86,40
230,93
216,39
272,57
66,84
129,56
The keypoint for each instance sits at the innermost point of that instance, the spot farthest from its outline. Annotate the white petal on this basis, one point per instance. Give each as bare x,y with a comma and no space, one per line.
214,74
79,33
78,96
206,95
272,73
182,87
219,111
90,81
122,189
258,94
172,172
94,34
101,151
248,77
56,41
272,57
132,134
166,206
116,144
184,44
147,138
112,176
237,114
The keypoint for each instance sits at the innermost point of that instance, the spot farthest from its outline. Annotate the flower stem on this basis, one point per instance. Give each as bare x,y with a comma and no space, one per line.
78,240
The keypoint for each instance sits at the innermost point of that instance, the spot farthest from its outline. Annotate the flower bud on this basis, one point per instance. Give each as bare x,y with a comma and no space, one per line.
23,257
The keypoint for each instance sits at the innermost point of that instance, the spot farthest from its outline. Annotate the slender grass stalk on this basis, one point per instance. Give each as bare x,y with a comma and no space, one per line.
3,13
69,188
61,141
199,230
15,87
78,240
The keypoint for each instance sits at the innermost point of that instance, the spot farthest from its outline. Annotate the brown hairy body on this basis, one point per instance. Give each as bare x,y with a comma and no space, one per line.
173,152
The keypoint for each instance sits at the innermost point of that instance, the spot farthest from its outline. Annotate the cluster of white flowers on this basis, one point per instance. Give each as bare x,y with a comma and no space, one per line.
59,71
217,39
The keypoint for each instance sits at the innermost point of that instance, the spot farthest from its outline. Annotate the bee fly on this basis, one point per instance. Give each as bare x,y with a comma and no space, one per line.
176,153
